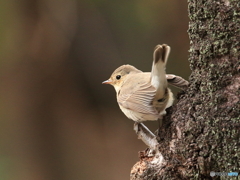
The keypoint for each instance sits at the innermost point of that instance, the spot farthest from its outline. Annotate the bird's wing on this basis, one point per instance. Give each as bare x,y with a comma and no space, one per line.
177,81
139,99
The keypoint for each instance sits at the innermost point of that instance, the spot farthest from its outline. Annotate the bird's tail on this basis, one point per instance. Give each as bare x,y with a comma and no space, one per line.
158,74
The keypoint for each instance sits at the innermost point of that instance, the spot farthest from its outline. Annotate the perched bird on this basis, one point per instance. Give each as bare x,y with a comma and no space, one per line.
144,96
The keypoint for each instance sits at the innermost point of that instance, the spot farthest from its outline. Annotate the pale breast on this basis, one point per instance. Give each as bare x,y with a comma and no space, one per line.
139,117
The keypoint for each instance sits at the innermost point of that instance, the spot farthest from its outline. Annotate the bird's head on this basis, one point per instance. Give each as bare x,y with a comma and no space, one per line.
119,75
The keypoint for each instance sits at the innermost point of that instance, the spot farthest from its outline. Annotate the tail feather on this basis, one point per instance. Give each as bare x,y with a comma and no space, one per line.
161,52
158,74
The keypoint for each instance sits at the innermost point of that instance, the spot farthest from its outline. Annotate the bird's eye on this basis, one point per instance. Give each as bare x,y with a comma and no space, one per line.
118,77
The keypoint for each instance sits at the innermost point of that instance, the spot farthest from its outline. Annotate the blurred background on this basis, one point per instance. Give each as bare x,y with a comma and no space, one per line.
57,121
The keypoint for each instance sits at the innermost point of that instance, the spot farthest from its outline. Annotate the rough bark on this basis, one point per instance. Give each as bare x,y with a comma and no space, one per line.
201,132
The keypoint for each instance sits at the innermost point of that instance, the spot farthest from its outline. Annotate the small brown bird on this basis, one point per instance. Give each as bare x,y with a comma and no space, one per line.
144,96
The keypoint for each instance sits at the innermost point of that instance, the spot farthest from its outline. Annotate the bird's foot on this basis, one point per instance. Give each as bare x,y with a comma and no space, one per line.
146,135
151,141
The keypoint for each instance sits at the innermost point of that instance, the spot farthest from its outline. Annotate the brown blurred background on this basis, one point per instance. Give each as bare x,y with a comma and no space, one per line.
57,120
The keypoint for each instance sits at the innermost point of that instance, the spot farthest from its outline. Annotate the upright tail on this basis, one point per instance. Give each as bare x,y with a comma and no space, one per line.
158,74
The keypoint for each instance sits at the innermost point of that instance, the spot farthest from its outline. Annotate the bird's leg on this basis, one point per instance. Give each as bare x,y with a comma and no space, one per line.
146,135
151,141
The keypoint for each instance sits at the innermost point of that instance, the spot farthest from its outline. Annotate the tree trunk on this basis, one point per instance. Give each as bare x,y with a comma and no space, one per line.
201,133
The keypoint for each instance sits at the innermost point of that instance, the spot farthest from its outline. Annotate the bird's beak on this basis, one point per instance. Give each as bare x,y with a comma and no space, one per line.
107,82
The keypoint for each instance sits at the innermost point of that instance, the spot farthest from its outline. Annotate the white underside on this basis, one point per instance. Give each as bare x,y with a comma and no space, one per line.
139,117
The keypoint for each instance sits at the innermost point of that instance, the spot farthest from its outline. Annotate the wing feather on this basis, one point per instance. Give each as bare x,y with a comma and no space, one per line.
177,81
139,100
